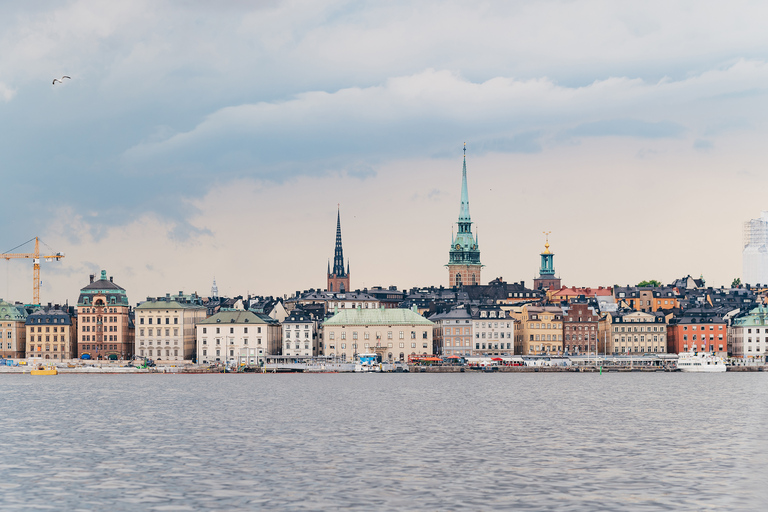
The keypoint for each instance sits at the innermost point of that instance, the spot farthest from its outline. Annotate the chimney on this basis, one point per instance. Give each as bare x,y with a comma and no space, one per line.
92,276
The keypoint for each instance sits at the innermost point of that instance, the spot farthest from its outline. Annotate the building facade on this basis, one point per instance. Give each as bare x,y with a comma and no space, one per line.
242,338
464,256
698,330
633,332
165,327
395,334
452,334
335,300
749,334
300,337
105,329
493,330
13,332
338,280
541,330
52,333
580,323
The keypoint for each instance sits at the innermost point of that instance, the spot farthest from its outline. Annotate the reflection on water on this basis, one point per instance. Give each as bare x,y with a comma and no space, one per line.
384,442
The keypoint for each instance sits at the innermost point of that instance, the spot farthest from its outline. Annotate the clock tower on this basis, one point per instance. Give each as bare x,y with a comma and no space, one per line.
464,257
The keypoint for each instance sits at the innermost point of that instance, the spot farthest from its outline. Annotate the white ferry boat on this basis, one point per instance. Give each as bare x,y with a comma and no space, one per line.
700,362
368,363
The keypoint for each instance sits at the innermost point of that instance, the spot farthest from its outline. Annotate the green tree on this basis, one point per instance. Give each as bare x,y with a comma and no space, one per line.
736,282
654,283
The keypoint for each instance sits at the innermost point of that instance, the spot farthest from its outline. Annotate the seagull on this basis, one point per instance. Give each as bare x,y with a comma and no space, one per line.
60,80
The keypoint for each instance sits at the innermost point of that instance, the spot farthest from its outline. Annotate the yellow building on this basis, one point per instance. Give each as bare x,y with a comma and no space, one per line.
52,333
540,331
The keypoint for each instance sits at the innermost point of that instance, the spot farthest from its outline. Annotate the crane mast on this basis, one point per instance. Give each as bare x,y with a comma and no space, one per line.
35,265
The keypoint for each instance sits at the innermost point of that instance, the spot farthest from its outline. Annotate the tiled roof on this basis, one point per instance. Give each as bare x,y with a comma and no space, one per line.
381,316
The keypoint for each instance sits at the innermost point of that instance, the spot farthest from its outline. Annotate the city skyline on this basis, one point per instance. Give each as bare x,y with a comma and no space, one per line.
168,160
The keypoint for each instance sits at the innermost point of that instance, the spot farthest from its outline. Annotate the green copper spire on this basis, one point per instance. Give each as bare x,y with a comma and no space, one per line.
464,249
464,211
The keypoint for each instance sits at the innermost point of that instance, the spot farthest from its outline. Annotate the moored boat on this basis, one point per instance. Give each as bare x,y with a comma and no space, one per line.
45,370
700,362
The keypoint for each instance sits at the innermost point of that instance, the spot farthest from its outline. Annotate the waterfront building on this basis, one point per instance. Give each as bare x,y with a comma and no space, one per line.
334,300
105,329
698,329
633,332
300,337
237,337
580,322
754,252
338,280
452,333
749,333
493,330
13,333
464,256
647,298
165,326
547,279
393,333
540,329
52,333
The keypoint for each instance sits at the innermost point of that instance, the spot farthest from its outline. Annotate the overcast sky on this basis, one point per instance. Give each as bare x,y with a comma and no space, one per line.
202,139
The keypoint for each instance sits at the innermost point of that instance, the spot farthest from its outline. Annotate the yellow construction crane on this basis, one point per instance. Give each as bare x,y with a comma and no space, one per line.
36,264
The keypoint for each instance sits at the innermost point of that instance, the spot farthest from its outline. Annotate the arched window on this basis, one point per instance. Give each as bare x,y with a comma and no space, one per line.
474,281
458,279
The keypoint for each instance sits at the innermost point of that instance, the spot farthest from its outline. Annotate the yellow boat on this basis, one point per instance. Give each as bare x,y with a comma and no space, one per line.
50,370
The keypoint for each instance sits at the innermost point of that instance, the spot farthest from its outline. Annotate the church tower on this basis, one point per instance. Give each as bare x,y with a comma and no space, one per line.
547,279
464,257
338,280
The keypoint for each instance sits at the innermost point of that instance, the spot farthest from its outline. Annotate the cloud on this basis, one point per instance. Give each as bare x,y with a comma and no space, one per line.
628,128
702,144
6,93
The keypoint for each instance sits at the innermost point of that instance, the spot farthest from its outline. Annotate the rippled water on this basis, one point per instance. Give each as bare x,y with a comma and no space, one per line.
384,442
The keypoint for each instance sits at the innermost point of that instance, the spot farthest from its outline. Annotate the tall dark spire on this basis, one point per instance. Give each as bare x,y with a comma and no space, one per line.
338,256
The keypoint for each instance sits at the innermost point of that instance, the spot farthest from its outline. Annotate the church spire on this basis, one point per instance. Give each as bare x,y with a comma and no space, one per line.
338,276
464,211
338,256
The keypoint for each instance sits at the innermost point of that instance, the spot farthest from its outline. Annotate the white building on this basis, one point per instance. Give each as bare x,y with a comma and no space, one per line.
748,334
755,251
238,337
165,327
300,334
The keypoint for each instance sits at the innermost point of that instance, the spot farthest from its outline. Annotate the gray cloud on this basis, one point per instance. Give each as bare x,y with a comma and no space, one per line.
628,128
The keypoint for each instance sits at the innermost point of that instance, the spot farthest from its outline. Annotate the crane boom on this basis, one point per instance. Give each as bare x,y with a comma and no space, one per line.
36,257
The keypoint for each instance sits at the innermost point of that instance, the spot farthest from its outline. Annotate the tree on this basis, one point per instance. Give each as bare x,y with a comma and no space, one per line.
736,282
653,283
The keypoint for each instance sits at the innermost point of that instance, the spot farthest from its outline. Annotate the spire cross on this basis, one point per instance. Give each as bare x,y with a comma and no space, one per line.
465,150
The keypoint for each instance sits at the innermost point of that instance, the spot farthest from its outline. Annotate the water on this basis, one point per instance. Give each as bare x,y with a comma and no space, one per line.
384,442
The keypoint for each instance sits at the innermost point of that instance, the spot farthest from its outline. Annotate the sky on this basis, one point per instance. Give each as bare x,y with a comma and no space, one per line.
204,139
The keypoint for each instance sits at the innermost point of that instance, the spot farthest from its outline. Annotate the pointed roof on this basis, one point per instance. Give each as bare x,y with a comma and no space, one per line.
464,211
338,256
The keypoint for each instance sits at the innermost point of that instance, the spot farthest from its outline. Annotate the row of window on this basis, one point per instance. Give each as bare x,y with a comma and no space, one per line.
704,328
703,337
47,329
354,346
366,334
640,329
231,341
544,326
231,330
159,320
150,331
55,320
496,346
47,338
88,337
546,337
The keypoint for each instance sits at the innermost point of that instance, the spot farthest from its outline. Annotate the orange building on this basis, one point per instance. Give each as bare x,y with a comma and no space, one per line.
698,330
566,294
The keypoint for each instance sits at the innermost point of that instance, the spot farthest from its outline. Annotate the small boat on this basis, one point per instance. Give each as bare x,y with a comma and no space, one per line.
700,362
45,370
368,363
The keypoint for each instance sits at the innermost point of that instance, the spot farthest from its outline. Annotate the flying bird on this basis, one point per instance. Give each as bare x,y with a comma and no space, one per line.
60,80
